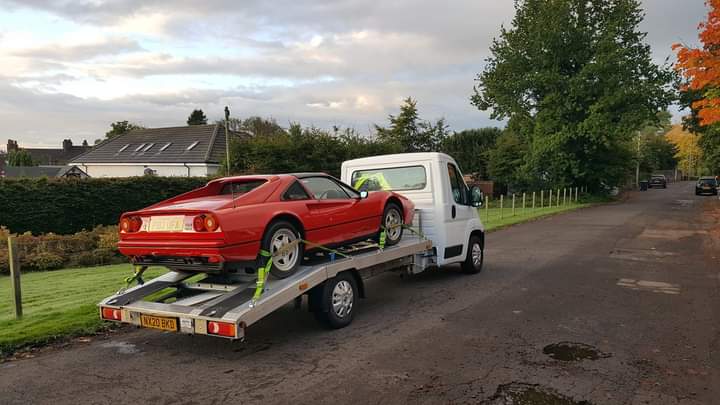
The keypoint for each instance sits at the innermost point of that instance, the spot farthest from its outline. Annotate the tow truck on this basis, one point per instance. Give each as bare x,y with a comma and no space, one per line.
446,230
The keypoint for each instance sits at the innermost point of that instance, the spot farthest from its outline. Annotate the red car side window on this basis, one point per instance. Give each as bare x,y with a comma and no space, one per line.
295,192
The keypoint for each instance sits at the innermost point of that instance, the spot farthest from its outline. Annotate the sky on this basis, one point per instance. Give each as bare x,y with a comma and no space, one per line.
70,68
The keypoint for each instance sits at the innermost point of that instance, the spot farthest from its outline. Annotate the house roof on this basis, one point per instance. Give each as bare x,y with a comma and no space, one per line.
33,171
56,156
188,144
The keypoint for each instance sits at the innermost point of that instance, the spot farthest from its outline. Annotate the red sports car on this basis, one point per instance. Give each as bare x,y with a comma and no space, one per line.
223,226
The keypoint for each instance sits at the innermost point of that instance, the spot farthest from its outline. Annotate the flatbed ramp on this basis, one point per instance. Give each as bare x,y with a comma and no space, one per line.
223,305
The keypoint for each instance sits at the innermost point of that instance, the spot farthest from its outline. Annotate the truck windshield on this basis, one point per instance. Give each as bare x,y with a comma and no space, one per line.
390,179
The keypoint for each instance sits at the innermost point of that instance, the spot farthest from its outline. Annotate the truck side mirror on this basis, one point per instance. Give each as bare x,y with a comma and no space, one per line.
476,196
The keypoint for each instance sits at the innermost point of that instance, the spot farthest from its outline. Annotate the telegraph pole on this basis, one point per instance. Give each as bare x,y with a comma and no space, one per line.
227,141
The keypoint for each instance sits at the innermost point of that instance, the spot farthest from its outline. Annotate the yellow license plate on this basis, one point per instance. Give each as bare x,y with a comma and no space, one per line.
159,322
167,224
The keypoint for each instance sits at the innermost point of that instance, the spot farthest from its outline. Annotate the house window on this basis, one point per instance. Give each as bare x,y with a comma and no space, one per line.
147,148
124,147
194,144
167,145
140,147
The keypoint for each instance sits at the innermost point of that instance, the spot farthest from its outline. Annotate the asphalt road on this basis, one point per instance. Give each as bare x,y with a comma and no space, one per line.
638,281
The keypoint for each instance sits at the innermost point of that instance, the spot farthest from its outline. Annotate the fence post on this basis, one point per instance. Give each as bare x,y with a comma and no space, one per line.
523,208
576,191
550,199
542,198
15,275
501,205
513,205
487,208
564,196
533,202
557,198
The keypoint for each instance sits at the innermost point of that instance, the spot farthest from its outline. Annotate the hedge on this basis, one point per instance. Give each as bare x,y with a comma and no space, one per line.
51,252
68,206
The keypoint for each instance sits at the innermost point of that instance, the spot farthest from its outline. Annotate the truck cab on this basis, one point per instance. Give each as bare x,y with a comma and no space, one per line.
447,208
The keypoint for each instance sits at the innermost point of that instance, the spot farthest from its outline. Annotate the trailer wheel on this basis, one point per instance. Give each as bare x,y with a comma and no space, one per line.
338,296
475,256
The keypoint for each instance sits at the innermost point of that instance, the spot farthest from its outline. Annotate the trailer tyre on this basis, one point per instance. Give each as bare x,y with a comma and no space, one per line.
338,297
475,256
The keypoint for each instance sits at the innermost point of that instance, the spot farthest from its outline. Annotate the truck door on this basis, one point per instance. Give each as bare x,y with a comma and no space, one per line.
459,212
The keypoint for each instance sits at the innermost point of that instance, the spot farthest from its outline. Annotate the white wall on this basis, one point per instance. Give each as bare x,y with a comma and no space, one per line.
131,170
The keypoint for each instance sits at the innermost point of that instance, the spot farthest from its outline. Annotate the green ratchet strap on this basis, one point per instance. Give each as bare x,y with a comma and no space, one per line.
263,273
137,276
409,228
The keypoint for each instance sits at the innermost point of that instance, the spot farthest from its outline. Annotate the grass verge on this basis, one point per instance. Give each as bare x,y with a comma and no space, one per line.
494,219
58,304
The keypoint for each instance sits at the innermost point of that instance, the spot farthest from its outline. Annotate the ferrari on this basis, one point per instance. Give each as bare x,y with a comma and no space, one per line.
228,224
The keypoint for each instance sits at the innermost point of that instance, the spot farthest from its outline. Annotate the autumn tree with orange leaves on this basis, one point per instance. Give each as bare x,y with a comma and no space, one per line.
700,91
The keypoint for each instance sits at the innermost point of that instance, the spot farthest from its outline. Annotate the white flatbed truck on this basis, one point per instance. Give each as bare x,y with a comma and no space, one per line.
223,305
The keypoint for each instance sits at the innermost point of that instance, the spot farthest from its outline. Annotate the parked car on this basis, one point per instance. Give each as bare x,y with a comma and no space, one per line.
223,226
658,181
706,185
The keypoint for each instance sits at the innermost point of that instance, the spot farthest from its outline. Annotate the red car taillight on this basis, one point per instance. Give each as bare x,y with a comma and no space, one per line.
130,224
205,223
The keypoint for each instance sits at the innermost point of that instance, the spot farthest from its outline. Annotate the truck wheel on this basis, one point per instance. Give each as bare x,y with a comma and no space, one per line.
392,220
278,235
337,301
475,256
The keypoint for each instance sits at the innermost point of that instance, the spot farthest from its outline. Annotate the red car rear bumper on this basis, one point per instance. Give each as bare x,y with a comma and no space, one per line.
215,252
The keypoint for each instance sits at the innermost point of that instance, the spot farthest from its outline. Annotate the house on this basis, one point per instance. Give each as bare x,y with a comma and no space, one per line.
42,171
189,151
52,157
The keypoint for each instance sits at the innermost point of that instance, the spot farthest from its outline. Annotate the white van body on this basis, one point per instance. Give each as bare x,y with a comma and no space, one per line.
447,217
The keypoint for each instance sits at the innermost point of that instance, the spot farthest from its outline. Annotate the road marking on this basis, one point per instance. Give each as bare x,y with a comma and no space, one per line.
653,286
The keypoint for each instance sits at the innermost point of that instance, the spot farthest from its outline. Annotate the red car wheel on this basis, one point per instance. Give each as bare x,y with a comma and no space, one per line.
392,223
279,235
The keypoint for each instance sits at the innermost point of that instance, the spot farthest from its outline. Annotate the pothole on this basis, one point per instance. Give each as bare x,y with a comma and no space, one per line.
517,393
571,351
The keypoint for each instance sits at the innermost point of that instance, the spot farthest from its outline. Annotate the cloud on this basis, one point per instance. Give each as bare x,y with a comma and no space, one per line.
80,51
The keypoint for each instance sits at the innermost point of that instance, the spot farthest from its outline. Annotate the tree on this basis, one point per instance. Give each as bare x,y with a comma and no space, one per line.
20,157
121,127
701,68
470,148
689,154
197,117
407,132
656,151
505,160
576,81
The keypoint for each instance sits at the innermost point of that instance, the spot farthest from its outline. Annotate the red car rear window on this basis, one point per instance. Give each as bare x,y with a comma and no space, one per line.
239,188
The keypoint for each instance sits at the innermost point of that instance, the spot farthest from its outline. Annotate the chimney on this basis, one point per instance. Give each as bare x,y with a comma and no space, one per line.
12,146
67,145
85,144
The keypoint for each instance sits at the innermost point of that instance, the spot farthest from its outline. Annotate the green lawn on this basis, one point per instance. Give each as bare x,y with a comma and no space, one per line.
59,303
493,219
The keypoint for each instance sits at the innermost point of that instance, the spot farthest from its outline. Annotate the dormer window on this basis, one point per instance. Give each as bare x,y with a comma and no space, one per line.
167,145
147,148
194,144
124,147
140,147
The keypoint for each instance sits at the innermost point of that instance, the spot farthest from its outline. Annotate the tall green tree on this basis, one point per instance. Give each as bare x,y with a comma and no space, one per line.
576,81
470,148
505,160
20,157
656,151
197,117
410,134
121,127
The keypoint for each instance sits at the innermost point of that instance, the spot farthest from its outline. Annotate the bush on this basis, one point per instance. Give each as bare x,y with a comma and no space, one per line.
68,206
51,251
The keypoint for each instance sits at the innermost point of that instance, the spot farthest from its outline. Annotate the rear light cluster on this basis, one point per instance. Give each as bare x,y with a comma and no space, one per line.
111,314
130,224
221,329
205,223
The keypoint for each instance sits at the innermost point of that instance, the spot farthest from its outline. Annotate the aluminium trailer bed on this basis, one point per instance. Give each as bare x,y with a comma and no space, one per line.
224,307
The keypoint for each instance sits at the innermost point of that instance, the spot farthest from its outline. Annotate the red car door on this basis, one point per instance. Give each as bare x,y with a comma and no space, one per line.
332,215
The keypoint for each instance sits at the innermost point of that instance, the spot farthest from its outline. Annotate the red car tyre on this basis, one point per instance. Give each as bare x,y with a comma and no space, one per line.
392,222
278,235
